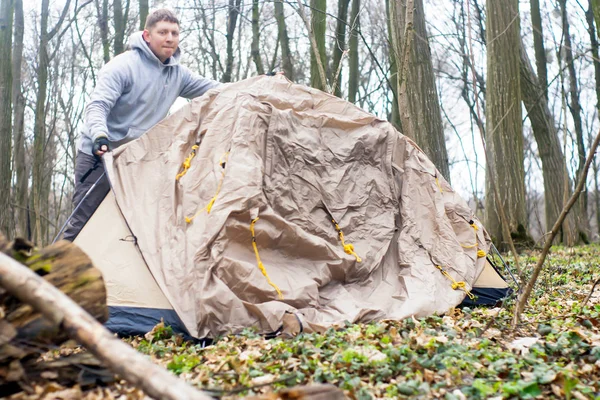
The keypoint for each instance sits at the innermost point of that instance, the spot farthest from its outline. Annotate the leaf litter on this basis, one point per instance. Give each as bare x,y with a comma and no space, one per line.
467,353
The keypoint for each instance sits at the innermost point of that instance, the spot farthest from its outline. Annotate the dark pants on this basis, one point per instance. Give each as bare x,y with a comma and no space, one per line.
87,171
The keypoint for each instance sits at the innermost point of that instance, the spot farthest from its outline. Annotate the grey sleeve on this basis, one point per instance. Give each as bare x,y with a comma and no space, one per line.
112,82
194,85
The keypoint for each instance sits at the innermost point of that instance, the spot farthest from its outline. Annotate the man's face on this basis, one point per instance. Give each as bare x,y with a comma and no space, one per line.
163,39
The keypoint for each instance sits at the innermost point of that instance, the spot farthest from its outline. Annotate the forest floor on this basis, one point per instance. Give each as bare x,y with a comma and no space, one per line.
468,353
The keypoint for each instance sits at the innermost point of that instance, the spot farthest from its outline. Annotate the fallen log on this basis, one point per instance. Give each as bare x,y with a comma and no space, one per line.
64,313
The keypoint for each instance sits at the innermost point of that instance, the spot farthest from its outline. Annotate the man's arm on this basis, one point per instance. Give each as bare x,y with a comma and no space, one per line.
111,84
194,85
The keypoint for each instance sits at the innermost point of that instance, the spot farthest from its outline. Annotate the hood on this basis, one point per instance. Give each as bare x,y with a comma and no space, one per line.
137,42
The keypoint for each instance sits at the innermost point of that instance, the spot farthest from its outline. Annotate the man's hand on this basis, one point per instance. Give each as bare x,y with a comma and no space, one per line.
100,146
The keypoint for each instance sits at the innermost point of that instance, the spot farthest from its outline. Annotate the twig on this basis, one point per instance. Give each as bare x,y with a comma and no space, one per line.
522,301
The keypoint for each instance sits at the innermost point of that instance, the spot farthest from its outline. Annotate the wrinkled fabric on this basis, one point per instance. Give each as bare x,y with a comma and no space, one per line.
294,157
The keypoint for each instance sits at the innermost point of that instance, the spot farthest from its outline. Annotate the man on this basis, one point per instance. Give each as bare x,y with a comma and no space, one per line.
134,92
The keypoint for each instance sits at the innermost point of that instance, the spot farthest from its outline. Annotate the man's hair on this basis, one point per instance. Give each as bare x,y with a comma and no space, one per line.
162,14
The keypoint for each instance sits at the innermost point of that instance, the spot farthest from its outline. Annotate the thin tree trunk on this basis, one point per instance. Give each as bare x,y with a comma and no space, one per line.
318,22
256,38
234,10
102,12
589,16
20,165
6,18
143,13
504,132
353,73
554,168
339,45
575,109
284,41
538,45
120,25
417,98
395,114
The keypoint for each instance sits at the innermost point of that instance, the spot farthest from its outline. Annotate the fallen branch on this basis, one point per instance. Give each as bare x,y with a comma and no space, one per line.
59,309
522,301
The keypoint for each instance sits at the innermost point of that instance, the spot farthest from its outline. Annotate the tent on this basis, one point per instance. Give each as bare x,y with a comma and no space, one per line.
273,205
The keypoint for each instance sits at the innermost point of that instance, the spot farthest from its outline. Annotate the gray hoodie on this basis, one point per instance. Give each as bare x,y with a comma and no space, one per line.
134,92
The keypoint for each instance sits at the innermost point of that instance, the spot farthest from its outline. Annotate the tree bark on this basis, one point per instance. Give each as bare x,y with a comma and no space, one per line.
504,131
353,72
143,13
418,101
318,22
538,45
575,109
234,10
554,169
6,18
20,166
339,45
63,312
120,25
102,12
256,38
395,113
284,41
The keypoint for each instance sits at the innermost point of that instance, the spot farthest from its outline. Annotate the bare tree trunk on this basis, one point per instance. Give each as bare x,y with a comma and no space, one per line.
234,10
554,168
589,16
20,166
538,45
120,25
318,22
339,45
102,12
256,38
504,133
575,108
353,75
41,177
143,13
284,41
6,18
395,114
418,103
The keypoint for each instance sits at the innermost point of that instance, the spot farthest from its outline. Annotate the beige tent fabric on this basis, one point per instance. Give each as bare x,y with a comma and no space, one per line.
293,156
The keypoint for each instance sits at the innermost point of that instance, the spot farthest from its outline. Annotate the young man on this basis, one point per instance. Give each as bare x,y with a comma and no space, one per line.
134,92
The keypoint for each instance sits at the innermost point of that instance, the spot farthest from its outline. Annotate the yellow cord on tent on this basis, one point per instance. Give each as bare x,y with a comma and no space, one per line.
475,229
260,264
348,247
456,285
187,162
437,182
210,204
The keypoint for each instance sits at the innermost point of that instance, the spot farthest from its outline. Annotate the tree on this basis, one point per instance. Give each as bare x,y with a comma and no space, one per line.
20,166
256,39
504,135
418,101
6,18
120,24
102,12
143,13
538,45
234,11
41,171
353,75
284,41
339,45
554,168
575,109
318,22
